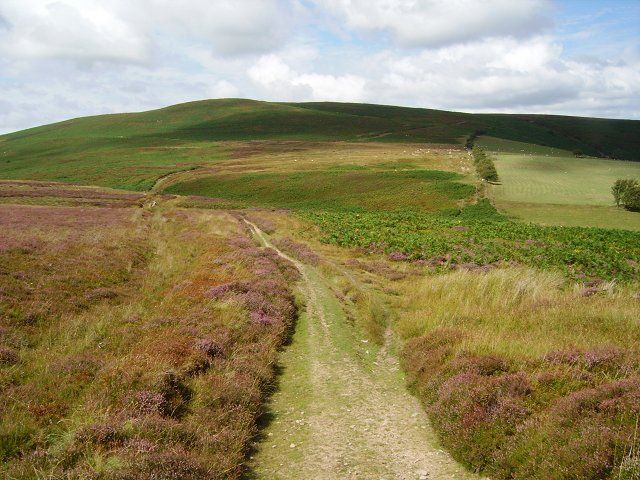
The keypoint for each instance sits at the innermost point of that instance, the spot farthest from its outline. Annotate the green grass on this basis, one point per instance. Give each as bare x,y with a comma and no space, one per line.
552,187
572,215
501,145
335,189
132,150
560,180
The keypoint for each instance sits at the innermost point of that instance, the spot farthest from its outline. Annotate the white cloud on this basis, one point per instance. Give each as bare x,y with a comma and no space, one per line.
69,29
223,89
231,27
67,58
270,70
505,75
433,23
279,79
127,31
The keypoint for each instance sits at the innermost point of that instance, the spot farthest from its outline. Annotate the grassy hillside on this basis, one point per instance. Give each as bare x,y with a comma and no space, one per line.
133,150
349,190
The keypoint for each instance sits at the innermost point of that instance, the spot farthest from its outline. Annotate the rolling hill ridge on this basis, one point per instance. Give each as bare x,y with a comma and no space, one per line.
132,150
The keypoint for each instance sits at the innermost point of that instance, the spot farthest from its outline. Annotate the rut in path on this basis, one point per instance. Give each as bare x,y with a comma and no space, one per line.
342,411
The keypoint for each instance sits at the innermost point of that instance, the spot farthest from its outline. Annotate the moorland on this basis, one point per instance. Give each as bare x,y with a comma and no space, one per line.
235,288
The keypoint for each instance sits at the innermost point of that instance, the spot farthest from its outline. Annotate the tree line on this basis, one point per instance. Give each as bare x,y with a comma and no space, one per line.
485,167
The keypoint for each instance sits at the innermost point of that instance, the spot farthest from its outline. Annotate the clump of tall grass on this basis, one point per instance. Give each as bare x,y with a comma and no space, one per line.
523,376
520,310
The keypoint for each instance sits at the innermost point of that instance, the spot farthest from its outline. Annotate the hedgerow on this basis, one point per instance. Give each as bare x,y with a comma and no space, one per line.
485,167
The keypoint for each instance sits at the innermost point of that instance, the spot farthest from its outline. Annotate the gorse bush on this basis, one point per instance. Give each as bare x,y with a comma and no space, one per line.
485,167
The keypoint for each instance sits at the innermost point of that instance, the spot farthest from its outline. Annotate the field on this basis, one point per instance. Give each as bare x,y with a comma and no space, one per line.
553,187
236,289
342,189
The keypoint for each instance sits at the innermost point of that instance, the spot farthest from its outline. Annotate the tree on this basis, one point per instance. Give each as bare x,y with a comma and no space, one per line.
620,188
487,170
485,167
631,197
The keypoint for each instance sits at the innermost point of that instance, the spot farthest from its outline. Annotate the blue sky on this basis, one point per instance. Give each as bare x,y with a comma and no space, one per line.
596,27
69,58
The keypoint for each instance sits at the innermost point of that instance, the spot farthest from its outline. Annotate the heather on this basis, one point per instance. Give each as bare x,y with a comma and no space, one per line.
63,194
135,343
523,375
55,260
298,250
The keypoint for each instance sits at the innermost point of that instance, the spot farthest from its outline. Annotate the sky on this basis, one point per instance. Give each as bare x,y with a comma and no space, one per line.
68,58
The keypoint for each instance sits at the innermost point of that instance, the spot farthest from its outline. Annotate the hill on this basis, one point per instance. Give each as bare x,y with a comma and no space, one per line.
133,150
143,335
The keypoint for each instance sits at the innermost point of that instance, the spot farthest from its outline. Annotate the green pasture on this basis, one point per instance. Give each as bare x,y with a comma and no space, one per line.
560,180
336,189
553,188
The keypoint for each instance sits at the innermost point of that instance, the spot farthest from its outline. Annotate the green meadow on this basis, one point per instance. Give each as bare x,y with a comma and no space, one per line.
554,187
335,189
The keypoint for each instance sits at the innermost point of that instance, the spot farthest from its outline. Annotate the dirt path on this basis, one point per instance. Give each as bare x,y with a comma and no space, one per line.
341,410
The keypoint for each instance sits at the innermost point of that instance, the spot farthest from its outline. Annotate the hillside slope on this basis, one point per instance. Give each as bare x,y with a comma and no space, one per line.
132,150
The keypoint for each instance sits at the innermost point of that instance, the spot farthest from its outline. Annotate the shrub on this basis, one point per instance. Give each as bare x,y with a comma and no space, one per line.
210,347
631,198
8,356
398,256
560,417
583,435
485,167
489,238
298,250
626,192
176,463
